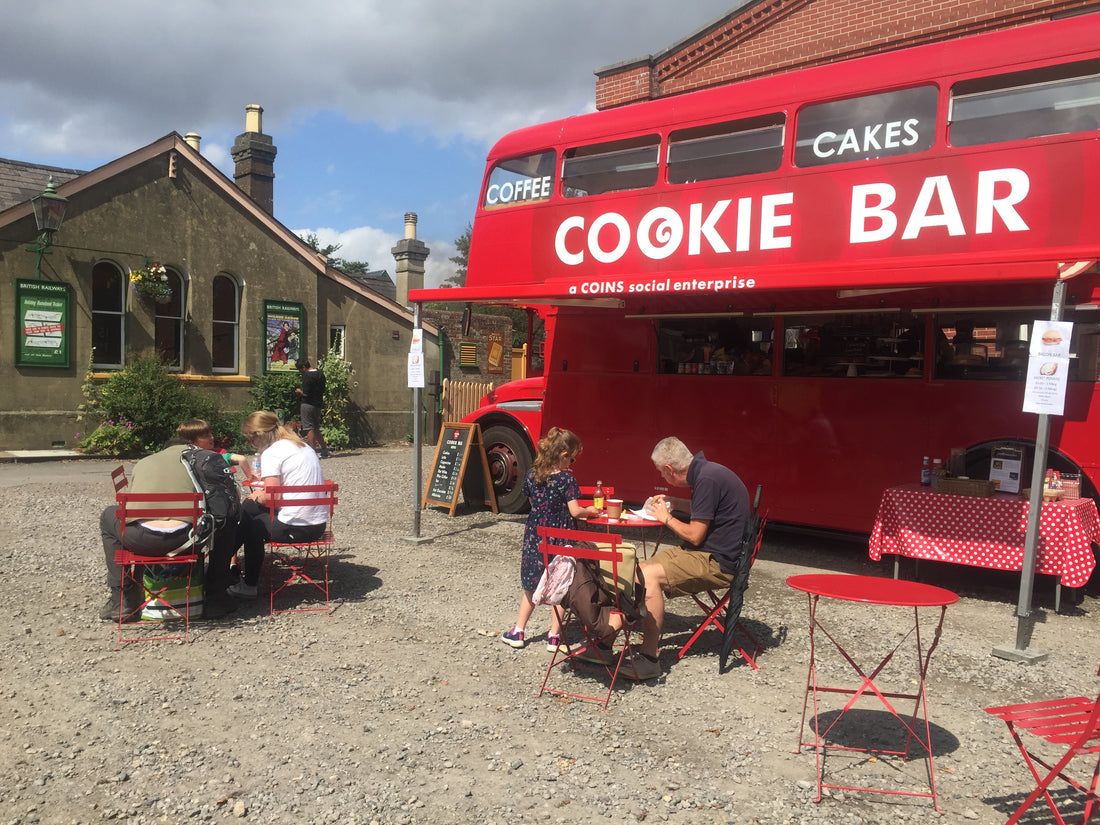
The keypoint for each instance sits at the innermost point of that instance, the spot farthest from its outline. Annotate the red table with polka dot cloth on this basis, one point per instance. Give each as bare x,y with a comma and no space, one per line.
922,523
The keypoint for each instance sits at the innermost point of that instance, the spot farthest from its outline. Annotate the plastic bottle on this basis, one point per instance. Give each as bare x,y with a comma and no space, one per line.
255,466
597,497
937,472
926,472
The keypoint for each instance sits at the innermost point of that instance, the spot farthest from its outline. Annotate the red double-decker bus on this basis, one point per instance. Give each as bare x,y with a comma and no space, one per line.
817,278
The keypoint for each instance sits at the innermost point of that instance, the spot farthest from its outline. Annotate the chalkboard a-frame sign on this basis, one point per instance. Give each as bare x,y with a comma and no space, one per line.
452,455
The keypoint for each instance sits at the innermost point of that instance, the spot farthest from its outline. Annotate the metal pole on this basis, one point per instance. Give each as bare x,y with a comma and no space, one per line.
416,442
1025,622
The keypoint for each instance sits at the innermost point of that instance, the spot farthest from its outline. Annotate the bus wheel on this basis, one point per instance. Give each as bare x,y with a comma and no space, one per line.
509,461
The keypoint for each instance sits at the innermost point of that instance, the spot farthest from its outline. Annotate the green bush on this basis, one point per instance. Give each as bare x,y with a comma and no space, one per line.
276,391
114,438
148,395
227,431
334,417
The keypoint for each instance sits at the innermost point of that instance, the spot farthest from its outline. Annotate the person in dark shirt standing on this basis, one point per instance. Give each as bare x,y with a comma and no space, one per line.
313,399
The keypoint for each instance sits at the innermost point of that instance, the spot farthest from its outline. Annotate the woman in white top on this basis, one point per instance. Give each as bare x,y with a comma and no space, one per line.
285,459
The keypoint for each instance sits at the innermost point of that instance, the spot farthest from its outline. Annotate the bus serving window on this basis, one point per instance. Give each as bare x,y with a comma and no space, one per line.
610,167
854,345
994,346
520,180
866,128
726,150
1026,104
715,346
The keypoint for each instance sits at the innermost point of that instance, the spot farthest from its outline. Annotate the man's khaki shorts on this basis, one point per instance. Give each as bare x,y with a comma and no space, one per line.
690,571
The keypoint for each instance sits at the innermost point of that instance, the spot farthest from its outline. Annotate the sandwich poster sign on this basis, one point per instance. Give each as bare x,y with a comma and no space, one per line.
1048,367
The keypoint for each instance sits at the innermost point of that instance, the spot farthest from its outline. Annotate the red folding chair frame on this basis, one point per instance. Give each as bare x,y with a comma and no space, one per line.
713,602
301,558
188,507
1072,722
569,653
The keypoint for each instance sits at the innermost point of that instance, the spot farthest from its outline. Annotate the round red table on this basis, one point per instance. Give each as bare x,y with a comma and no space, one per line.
888,593
631,521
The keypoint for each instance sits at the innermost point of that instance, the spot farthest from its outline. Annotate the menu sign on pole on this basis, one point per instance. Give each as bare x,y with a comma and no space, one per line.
449,465
42,323
1048,367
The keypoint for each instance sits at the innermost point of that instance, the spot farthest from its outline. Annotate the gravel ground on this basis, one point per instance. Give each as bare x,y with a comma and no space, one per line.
403,706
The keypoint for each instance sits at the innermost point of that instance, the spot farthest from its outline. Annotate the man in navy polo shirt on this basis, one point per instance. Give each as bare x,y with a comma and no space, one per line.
710,539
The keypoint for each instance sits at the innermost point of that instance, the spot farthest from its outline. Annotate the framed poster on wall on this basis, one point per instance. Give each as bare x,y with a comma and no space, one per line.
284,335
42,323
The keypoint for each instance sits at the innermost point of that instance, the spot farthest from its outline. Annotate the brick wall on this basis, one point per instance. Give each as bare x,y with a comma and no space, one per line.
775,36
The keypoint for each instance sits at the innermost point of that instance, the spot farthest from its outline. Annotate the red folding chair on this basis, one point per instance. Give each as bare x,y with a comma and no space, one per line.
1073,724
118,479
713,602
301,562
610,556
179,506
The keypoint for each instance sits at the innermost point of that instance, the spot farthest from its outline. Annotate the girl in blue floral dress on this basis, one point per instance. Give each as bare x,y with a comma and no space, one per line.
554,495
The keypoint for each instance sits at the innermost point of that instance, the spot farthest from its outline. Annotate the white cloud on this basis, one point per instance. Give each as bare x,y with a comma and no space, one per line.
469,68
365,243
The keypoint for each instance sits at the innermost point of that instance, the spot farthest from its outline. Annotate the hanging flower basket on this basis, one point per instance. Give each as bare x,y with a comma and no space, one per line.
152,282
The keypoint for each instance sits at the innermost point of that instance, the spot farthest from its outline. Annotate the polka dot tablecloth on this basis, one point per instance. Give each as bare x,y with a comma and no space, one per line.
921,523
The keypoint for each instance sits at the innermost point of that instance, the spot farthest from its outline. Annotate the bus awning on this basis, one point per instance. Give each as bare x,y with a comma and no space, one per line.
747,288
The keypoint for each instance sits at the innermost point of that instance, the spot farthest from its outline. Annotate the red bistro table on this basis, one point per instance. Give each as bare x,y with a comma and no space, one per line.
628,520
989,532
875,591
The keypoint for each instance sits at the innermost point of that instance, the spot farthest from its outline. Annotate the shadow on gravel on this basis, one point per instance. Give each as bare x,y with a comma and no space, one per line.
1070,804
879,730
350,581
678,629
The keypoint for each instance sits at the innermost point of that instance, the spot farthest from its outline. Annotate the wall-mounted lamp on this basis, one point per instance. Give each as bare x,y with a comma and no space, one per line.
49,212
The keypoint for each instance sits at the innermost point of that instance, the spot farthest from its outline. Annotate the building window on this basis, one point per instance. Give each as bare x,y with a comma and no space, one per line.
108,315
168,332
224,334
336,340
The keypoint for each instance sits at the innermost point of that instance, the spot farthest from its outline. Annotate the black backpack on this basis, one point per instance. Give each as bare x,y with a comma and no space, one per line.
213,477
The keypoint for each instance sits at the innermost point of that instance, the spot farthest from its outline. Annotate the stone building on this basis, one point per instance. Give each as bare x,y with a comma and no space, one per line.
247,295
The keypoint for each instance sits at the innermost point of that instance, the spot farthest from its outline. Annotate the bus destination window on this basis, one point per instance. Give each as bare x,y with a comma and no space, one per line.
867,128
520,180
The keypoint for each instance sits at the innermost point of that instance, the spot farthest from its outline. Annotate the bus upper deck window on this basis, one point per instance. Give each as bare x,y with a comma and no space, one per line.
610,167
1056,100
726,150
867,128
520,180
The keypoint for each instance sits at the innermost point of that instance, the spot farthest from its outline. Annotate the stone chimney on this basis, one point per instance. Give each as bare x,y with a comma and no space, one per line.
254,156
193,139
410,255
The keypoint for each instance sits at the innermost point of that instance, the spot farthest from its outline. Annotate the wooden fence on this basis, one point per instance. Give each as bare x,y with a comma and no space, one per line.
460,398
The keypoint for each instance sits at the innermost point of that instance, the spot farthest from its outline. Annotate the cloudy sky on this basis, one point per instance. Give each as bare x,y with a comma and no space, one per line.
376,107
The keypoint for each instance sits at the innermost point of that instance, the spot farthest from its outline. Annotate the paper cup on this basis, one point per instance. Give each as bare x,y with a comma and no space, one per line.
614,508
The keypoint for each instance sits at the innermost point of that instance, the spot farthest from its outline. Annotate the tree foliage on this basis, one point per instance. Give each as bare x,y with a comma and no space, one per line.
343,264
462,243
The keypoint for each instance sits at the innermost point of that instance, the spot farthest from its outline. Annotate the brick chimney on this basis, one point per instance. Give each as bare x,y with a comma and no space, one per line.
410,255
254,156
